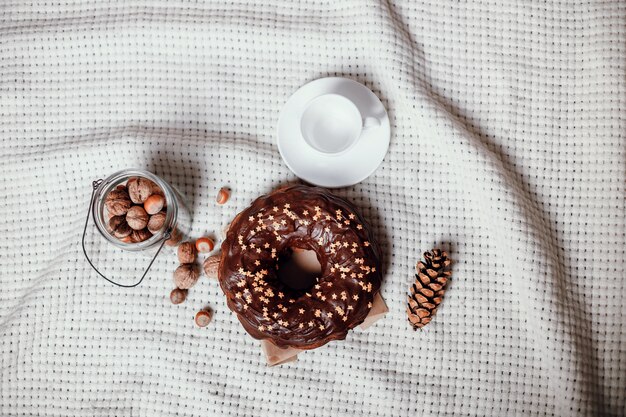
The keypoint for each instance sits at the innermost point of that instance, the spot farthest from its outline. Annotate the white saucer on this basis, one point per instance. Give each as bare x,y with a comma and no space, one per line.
349,168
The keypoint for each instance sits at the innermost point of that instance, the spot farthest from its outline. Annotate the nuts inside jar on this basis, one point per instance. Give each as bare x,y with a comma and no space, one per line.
136,210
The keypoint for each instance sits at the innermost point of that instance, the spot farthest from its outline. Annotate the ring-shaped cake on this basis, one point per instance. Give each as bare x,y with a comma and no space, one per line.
309,218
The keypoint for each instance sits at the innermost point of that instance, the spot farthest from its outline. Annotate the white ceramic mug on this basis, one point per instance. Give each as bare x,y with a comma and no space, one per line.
332,124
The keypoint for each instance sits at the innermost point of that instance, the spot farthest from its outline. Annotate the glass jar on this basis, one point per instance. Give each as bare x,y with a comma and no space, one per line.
177,217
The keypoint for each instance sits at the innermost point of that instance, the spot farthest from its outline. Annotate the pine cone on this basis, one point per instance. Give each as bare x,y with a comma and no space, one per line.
428,288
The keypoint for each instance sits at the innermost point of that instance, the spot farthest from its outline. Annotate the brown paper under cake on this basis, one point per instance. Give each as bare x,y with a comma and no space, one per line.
278,356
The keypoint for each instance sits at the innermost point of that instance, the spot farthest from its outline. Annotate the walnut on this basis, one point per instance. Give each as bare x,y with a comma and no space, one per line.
139,189
119,228
137,218
157,190
187,253
211,266
118,202
178,296
140,235
186,276
175,238
156,222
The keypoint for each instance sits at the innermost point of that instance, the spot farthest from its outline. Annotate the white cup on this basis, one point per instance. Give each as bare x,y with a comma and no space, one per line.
332,124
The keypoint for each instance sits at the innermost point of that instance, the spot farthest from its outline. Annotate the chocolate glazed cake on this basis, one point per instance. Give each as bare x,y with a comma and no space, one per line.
300,217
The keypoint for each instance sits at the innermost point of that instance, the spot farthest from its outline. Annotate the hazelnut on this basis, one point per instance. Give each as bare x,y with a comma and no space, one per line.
140,235
203,318
118,202
139,189
185,276
119,228
177,295
187,253
223,195
154,204
137,218
156,222
205,245
175,238
211,266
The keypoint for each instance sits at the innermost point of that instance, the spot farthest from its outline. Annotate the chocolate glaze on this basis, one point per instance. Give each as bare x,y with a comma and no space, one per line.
309,218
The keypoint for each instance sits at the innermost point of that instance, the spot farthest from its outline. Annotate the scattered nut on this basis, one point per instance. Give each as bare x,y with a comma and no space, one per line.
223,195
140,235
211,266
139,189
187,253
175,238
118,202
185,276
154,204
119,227
156,222
205,245
137,218
177,295
203,318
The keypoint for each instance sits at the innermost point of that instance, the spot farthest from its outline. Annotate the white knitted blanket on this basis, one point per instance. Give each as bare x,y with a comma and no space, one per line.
507,149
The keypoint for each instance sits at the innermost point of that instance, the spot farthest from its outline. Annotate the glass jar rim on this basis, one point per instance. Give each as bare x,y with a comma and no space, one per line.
113,181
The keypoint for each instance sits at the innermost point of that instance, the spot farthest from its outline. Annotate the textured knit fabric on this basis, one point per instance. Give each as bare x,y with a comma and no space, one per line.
507,150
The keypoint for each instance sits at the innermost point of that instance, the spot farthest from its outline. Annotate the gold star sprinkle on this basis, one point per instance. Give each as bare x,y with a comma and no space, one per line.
351,216
318,313
321,326
359,227
301,311
257,262
251,218
305,213
355,297
366,244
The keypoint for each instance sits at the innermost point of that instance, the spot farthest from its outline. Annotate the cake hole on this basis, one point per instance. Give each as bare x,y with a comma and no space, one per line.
298,269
